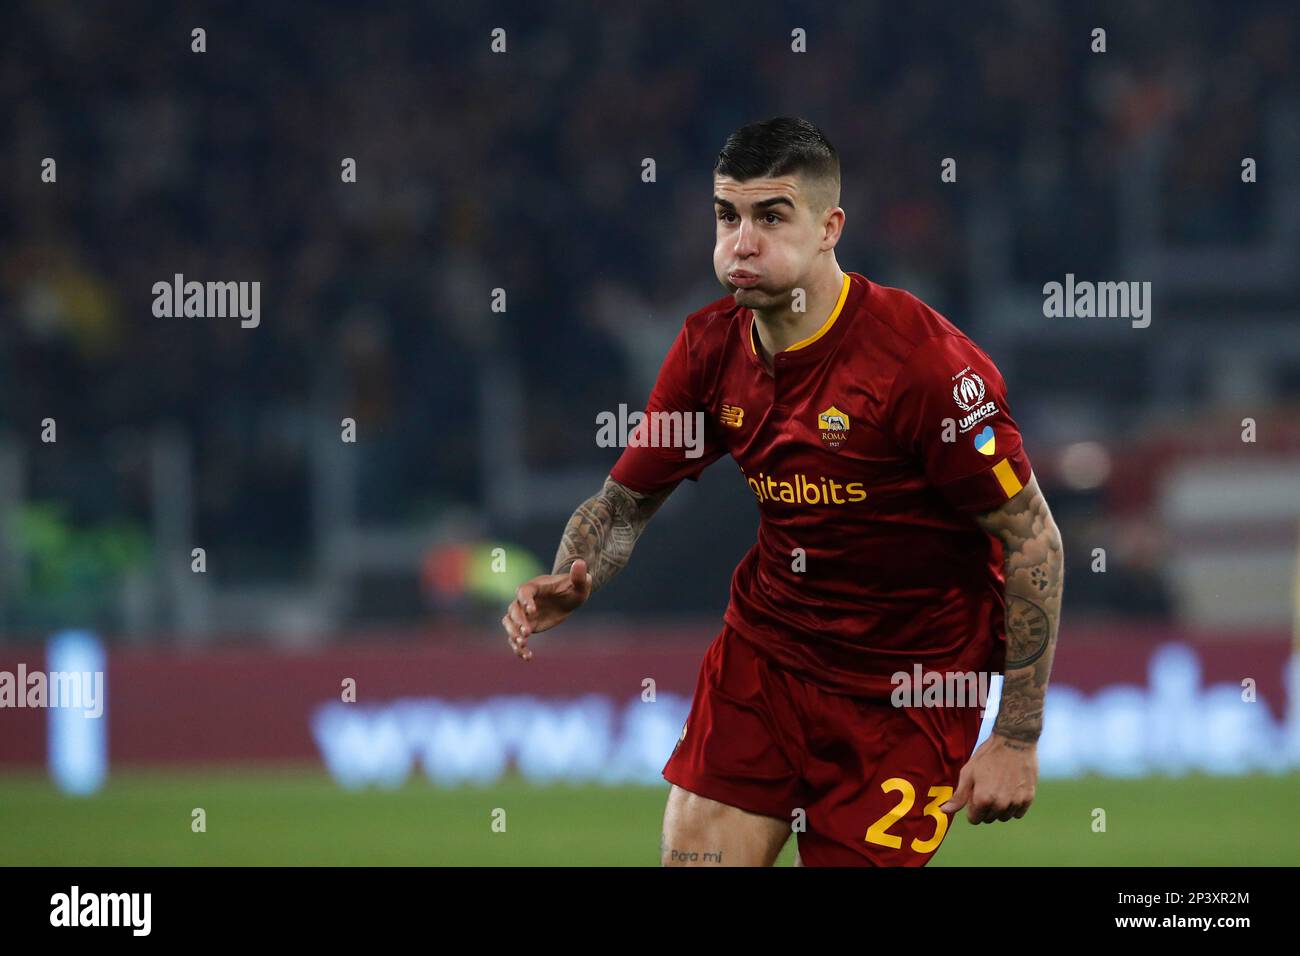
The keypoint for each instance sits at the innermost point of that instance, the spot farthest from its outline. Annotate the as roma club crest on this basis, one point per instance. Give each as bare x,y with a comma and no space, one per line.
833,427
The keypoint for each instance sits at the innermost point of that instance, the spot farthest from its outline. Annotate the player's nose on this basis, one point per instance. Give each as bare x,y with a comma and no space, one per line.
746,240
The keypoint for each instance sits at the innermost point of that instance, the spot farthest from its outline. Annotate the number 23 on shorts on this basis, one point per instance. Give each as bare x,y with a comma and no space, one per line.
879,831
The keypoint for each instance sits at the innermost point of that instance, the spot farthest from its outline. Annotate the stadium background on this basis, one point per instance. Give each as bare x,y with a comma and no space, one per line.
521,171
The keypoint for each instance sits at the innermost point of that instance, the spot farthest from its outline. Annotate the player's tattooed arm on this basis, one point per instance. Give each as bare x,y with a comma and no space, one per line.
1034,560
605,528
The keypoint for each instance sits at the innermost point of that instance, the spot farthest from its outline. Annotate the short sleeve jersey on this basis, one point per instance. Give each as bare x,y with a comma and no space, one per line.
868,447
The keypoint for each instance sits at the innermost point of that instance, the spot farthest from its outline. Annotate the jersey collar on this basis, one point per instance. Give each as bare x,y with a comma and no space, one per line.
823,338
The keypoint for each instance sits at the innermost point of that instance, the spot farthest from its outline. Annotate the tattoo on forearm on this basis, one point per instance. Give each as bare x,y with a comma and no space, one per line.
604,530
1028,624
1034,573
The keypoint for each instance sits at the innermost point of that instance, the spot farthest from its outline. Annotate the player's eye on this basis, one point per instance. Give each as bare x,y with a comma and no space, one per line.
772,216
724,214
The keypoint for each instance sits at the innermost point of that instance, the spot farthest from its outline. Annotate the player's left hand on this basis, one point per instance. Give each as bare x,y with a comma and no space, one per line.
998,781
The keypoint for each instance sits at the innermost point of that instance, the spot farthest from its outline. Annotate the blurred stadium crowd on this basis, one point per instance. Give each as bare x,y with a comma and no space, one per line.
522,171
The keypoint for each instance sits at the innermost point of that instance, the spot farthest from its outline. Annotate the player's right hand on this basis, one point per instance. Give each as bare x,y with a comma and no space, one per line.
542,603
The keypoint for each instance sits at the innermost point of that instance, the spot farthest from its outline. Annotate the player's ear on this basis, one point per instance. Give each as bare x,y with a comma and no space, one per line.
832,227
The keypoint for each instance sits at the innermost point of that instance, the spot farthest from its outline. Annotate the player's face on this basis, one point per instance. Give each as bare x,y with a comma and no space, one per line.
767,238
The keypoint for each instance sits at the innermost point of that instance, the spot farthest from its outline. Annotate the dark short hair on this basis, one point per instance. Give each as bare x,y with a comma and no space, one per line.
780,147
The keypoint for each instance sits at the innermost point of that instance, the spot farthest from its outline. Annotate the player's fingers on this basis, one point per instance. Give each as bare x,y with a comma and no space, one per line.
519,627
978,811
516,614
962,794
518,643
512,632
580,578
525,595
1006,814
997,808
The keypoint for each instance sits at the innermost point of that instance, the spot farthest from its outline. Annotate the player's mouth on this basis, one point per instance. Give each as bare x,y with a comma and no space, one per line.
742,279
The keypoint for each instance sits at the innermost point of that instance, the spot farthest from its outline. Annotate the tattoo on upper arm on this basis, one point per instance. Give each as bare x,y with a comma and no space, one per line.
1034,577
605,528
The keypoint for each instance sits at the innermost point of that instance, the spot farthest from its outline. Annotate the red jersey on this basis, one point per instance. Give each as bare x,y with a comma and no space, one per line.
868,448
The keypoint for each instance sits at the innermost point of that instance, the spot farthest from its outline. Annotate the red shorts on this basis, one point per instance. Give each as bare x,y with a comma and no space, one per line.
868,776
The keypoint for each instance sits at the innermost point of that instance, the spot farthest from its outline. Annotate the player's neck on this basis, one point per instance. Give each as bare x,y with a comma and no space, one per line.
778,329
